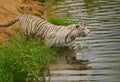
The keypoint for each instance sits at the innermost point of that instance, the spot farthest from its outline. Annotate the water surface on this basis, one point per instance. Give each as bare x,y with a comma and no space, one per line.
99,58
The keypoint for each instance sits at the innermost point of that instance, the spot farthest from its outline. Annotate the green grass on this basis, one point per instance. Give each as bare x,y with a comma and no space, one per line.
59,21
21,59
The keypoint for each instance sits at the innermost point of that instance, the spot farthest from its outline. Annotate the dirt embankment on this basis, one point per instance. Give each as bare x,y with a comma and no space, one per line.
11,8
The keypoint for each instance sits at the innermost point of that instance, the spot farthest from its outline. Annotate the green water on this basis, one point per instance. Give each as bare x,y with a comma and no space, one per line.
99,59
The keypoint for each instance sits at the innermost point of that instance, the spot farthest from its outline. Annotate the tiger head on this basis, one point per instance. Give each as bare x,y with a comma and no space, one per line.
79,30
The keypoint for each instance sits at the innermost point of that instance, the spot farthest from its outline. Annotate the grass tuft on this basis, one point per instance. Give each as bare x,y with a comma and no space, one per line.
59,21
21,59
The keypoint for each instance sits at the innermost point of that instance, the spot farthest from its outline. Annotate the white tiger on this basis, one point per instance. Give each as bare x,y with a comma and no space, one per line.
49,33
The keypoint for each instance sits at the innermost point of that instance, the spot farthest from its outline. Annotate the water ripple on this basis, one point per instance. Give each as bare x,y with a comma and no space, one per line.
99,58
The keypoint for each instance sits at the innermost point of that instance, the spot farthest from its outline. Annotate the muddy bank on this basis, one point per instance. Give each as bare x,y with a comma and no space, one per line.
11,8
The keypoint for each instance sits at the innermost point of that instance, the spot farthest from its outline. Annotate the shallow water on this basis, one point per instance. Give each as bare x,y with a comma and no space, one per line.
99,58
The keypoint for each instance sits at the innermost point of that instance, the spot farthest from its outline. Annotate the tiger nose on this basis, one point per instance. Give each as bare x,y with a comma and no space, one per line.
88,31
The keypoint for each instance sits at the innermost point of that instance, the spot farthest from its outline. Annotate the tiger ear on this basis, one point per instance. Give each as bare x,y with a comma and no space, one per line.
77,26
82,23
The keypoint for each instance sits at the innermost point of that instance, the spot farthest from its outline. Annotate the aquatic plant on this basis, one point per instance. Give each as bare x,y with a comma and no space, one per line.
22,59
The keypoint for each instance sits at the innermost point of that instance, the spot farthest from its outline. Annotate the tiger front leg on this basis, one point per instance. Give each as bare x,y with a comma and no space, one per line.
73,45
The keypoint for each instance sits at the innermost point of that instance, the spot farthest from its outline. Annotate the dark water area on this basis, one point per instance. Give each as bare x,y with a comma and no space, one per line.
99,58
